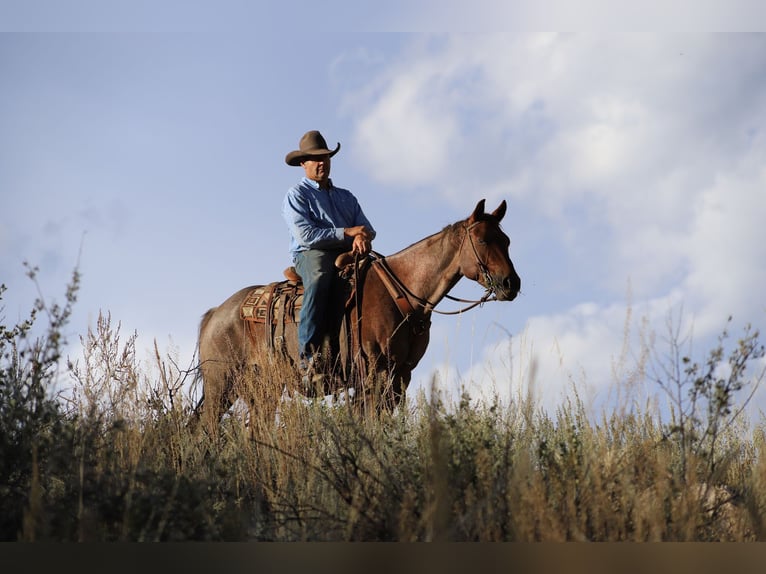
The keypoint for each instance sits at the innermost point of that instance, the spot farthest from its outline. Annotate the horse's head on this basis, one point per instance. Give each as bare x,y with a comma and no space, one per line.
484,254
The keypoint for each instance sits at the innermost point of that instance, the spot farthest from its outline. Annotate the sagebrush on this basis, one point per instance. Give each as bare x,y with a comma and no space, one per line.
118,460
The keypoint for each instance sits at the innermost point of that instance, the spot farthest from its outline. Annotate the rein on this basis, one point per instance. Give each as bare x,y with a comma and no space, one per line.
488,296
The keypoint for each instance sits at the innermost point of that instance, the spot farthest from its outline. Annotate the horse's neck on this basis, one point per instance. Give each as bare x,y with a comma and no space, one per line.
429,268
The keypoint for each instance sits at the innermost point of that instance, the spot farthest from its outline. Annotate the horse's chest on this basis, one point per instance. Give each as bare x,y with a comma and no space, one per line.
409,342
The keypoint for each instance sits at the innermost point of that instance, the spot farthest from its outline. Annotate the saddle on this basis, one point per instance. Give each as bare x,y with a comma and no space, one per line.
342,263
277,304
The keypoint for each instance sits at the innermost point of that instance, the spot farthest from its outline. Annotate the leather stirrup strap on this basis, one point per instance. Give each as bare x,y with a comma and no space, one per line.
401,300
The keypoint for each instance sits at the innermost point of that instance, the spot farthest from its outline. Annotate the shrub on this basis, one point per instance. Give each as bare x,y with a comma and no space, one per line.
120,462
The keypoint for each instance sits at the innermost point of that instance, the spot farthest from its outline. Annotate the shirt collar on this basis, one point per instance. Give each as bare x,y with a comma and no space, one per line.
315,185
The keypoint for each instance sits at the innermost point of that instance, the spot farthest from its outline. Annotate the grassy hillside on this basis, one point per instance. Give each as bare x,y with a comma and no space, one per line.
118,460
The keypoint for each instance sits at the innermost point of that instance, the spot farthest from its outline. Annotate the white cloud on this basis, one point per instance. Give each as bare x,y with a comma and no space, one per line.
643,155
587,15
576,349
416,157
726,252
599,352
624,158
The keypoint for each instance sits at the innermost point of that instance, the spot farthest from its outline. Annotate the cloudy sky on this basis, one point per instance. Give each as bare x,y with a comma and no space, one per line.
634,167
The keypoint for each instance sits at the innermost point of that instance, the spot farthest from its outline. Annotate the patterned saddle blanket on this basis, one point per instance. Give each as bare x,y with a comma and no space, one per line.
274,304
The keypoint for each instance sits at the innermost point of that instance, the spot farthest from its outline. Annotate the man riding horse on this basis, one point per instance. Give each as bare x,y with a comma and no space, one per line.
324,221
390,310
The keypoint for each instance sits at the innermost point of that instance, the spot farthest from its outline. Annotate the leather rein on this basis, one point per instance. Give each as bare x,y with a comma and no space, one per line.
406,307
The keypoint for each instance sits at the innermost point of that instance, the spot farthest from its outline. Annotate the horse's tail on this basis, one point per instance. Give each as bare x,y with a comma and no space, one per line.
199,378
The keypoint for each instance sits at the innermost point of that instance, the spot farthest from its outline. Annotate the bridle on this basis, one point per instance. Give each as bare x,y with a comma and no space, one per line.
401,295
489,295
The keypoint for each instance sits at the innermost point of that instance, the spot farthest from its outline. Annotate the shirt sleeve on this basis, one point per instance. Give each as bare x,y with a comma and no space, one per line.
361,219
304,228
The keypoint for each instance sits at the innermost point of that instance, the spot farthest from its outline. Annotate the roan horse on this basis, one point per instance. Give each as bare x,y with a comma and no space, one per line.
396,305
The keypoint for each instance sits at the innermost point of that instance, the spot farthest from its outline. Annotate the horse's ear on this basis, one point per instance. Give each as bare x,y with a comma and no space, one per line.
499,213
478,212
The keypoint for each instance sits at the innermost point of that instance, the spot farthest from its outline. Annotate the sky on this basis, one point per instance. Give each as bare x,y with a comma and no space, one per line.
633,165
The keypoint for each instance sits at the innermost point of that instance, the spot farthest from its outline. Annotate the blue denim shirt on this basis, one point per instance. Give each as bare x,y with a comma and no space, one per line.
316,217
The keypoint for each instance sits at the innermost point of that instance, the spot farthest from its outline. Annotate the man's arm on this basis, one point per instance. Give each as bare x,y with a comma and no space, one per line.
304,229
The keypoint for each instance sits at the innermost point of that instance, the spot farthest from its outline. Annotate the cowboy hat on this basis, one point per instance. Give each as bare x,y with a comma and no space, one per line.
312,143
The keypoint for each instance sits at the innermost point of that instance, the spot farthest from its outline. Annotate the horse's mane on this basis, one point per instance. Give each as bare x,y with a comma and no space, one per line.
454,229
452,232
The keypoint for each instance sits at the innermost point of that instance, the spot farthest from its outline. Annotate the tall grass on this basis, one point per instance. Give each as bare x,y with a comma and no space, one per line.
119,460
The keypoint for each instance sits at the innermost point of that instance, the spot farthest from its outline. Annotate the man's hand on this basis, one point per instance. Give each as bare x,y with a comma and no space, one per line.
362,238
357,231
361,245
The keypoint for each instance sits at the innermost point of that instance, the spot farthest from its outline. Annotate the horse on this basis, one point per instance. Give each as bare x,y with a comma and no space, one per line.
390,314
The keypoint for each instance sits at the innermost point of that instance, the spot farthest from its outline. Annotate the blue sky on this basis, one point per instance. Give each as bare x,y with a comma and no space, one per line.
632,164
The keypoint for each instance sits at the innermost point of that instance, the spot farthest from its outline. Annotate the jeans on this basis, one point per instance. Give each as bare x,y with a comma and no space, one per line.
320,277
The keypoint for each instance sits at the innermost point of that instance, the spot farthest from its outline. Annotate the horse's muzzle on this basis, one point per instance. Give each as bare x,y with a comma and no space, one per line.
508,288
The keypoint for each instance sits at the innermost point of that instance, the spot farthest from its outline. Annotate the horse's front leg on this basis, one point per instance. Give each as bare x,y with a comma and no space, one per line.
386,389
386,377
371,382
400,382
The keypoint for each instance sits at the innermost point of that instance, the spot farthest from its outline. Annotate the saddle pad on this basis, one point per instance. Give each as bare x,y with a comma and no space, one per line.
274,303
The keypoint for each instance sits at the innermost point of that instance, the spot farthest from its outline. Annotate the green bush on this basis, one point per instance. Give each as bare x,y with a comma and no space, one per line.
33,432
120,461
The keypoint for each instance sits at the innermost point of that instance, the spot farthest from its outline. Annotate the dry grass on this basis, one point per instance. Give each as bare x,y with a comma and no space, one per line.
120,462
